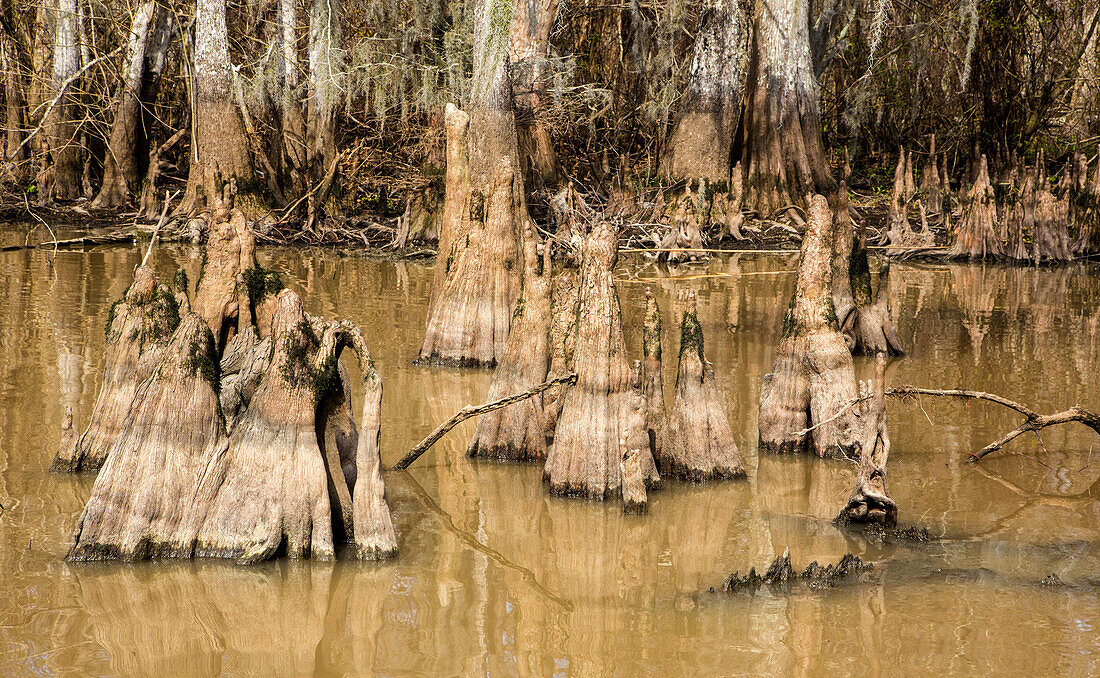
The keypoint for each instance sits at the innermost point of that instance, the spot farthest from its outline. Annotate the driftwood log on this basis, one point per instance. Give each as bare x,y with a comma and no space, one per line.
518,433
585,459
138,329
813,376
700,441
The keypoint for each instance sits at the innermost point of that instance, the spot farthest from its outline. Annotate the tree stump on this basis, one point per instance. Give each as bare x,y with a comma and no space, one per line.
138,329
870,501
585,459
144,503
976,236
274,483
813,376
700,444
517,432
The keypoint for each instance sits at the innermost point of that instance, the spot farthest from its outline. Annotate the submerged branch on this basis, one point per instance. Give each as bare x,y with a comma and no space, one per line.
471,411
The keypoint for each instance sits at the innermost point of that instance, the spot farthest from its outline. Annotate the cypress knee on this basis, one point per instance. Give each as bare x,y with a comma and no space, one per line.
700,442
813,376
138,329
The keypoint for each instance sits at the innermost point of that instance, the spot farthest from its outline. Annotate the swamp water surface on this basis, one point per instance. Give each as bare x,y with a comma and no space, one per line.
497,578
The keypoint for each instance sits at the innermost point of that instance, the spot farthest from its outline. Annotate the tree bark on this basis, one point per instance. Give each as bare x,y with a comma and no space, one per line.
138,329
469,315
325,66
13,169
870,501
62,178
145,501
221,297
976,236
586,457
700,441
1086,209
813,376
653,385
702,139
517,432
120,164
272,486
219,146
563,338
529,48
782,154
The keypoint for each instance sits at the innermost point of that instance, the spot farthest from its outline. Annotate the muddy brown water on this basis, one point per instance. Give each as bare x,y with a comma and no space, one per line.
497,578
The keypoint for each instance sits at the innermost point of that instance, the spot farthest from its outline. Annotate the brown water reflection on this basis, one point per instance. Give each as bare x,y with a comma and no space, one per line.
495,577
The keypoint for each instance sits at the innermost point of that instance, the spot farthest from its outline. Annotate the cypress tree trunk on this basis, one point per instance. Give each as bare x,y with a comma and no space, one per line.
813,376
294,153
120,168
702,138
219,148
783,156
144,502
13,168
870,501
62,179
530,44
325,63
138,329
470,313
517,432
599,419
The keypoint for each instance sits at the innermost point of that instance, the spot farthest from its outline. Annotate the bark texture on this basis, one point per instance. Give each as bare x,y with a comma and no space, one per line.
517,432
221,296
563,337
61,179
274,484
702,139
120,167
1086,209
144,503
900,232
870,501
653,385
529,46
813,376
138,330
586,457
700,442
977,236
484,210
13,169
219,145
783,155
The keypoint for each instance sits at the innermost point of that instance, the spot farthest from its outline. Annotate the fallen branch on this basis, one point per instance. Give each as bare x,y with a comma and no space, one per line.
108,239
471,411
1033,421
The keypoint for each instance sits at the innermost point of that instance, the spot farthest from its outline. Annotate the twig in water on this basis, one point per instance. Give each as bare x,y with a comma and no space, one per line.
471,411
